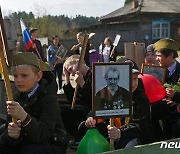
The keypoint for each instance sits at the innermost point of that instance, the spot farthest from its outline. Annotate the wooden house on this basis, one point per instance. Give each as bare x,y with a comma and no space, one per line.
140,21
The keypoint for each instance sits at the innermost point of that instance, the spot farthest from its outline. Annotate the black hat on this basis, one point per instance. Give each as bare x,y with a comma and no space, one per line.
150,48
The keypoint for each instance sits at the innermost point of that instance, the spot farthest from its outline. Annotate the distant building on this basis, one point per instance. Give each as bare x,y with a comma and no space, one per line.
140,21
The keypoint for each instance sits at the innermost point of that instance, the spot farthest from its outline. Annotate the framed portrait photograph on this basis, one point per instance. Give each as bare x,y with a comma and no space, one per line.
112,96
61,52
157,71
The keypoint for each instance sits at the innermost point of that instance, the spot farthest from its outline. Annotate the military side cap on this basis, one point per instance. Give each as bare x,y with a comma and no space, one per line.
44,66
166,43
26,58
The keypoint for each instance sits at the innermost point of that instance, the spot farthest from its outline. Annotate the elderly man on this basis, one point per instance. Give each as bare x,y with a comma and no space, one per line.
112,96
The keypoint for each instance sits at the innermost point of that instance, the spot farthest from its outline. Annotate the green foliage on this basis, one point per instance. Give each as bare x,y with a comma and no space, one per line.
176,87
50,25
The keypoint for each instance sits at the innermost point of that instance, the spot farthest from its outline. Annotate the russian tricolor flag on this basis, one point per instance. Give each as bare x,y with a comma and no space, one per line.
26,35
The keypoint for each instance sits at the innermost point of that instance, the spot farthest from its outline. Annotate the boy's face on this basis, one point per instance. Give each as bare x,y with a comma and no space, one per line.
35,34
25,78
134,81
164,61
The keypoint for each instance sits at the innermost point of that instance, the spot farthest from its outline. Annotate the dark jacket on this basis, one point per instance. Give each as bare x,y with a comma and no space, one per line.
173,79
105,101
84,94
46,122
87,56
39,49
140,125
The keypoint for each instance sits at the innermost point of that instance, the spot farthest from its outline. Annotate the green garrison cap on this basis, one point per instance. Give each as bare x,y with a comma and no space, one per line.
44,66
27,58
166,43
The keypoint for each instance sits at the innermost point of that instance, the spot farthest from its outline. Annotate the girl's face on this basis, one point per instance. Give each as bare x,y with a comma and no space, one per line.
25,78
134,81
72,68
56,41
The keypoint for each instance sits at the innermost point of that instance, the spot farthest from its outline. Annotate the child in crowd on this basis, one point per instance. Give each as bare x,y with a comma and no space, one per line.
138,131
150,55
108,54
39,127
72,118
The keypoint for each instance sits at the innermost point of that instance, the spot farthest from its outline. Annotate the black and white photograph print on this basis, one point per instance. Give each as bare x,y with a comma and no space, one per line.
111,89
61,52
157,71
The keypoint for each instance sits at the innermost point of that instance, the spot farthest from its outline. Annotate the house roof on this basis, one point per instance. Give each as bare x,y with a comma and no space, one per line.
146,6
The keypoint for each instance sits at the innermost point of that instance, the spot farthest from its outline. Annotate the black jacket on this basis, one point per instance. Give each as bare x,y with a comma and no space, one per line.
46,120
87,55
84,94
173,79
140,125
39,49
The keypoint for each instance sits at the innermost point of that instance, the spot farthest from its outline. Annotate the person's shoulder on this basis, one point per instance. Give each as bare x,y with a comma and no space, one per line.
101,90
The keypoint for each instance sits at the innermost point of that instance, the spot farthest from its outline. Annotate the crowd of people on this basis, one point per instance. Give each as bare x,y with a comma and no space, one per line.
43,124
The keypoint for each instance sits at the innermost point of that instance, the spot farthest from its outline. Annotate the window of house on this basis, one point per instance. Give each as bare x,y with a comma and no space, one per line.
160,29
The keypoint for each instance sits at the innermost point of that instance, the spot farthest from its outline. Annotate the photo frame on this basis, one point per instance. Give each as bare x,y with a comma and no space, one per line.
61,52
157,71
112,96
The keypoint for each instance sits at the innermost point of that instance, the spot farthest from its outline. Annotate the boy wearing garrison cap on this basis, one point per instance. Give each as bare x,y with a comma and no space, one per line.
166,52
36,47
39,127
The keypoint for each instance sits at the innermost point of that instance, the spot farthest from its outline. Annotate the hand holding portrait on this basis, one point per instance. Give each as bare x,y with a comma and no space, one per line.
113,132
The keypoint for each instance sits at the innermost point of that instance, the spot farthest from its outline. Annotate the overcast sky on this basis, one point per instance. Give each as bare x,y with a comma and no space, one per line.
71,8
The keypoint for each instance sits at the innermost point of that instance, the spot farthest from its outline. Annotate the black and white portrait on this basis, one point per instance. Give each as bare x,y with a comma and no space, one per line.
112,94
157,71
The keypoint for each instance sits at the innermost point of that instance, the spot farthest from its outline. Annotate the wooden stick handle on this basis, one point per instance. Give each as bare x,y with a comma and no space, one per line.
112,51
38,54
8,55
79,67
111,140
5,72
74,97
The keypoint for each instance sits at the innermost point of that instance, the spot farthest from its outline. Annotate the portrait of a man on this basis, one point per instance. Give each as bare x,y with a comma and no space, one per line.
157,71
113,96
